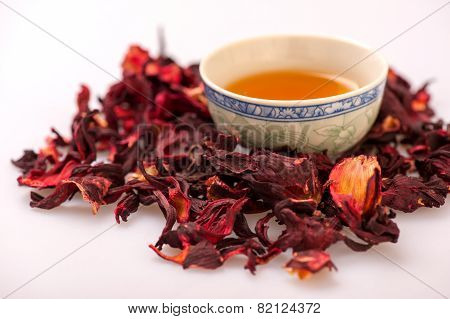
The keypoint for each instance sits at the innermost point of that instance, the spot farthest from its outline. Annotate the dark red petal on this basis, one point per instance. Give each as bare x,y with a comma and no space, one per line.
128,204
83,99
410,193
27,161
203,255
61,193
218,217
93,189
305,263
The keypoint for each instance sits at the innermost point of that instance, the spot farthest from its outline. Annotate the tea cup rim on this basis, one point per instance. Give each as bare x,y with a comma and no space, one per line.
379,80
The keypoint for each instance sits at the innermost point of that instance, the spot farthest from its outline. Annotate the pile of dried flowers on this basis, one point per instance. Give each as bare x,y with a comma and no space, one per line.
160,146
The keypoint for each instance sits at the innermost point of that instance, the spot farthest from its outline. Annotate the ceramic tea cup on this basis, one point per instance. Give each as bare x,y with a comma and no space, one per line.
334,123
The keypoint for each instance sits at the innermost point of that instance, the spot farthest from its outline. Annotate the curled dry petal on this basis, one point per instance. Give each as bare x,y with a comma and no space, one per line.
407,193
135,60
217,188
304,232
27,161
218,217
391,162
248,247
84,139
93,189
127,205
83,99
436,163
262,228
179,200
202,255
40,179
195,251
306,263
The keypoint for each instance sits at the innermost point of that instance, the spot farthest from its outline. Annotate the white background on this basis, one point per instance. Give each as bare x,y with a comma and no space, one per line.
38,81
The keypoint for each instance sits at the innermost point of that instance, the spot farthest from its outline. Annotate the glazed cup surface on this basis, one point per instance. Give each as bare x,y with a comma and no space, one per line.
334,123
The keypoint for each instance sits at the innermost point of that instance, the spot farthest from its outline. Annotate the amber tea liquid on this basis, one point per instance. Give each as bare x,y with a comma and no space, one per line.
288,85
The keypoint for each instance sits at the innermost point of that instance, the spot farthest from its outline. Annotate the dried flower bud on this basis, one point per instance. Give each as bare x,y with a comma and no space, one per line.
357,182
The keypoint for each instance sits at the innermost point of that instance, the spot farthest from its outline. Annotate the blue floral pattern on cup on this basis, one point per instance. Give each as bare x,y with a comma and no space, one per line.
294,113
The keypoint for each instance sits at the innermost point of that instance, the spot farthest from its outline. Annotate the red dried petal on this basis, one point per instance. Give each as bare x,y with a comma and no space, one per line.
436,163
303,232
306,263
40,179
62,192
203,255
27,161
410,193
274,177
84,139
217,189
127,205
248,247
135,60
219,216
178,259
180,201
83,99
93,189
391,162
172,104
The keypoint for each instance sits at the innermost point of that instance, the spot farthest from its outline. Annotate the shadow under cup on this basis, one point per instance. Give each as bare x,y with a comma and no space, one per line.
334,123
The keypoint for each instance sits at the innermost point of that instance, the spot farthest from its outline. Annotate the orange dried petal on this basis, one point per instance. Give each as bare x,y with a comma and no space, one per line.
305,263
357,181
134,60
391,124
179,259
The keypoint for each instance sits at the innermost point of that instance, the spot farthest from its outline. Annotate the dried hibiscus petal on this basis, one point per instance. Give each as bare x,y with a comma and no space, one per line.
41,179
217,188
391,162
306,263
274,177
128,204
195,252
92,188
179,199
436,163
218,217
83,100
410,193
248,247
203,255
83,139
135,60
175,104
303,232
27,161
170,188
